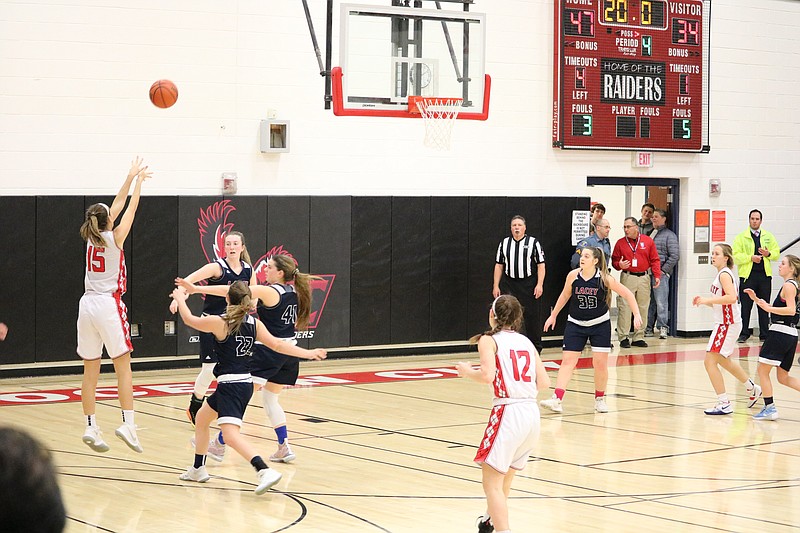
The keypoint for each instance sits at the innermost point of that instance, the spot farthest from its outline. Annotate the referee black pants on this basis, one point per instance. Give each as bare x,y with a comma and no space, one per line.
522,290
762,286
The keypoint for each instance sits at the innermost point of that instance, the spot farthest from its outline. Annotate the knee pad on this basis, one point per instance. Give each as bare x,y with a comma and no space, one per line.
273,409
204,379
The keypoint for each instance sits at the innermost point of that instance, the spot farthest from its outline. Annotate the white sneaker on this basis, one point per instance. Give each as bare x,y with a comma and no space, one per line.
720,409
216,450
267,478
755,394
283,455
664,333
127,434
93,438
199,475
553,404
600,405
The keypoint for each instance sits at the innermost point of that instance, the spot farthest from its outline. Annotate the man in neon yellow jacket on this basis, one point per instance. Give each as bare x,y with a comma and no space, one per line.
754,249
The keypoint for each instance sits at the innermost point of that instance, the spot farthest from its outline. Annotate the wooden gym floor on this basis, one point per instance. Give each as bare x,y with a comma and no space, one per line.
382,450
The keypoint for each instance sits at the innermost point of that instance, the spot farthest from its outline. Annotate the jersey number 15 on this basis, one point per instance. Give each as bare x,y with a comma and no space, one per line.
94,261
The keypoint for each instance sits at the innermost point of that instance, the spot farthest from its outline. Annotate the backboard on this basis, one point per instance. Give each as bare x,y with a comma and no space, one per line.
389,53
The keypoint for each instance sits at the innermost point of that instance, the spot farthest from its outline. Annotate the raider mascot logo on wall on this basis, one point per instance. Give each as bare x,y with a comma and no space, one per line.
213,226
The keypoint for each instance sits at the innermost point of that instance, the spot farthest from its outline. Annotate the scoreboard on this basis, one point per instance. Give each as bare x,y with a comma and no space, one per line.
631,75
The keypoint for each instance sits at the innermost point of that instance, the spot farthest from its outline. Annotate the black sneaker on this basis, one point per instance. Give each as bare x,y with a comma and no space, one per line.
639,344
194,405
485,526
742,338
624,343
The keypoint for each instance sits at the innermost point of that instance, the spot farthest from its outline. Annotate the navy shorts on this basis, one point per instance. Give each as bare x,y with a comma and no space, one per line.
599,337
778,349
208,348
230,401
269,365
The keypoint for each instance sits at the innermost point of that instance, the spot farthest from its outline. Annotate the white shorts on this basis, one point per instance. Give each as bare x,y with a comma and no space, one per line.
510,436
103,320
723,338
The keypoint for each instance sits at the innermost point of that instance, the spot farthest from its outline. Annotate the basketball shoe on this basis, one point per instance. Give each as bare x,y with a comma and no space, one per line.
283,455
267,478
93,438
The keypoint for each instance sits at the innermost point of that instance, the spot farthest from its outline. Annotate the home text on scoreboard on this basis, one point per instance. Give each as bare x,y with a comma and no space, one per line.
631,75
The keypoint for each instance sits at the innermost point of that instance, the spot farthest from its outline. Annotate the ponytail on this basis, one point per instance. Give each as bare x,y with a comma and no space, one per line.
302,286
95,221
241,303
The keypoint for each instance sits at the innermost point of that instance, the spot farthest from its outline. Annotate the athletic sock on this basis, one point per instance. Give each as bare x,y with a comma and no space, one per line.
199,460
127,417
91,420
258,463
220,439
599,393
560,393
281,433
768,400
723,398
749,385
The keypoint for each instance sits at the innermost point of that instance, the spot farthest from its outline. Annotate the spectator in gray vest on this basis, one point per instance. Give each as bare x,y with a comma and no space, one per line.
668,252
598,239
646,222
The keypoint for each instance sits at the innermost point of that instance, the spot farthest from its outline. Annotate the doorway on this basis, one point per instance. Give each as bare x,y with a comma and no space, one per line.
623,197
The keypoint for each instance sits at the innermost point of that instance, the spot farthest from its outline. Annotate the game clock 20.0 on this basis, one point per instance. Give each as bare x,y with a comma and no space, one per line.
631,75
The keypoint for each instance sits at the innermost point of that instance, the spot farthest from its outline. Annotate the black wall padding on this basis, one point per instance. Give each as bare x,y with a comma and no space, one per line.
59,276
371,271
152,260
191,257
449,233
288,226
18,278
558,249
488,224
330,256
411,269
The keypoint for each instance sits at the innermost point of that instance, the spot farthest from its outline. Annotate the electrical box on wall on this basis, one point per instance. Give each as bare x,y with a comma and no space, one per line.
274,136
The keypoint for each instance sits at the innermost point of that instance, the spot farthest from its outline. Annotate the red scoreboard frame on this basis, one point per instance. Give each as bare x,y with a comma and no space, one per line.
631,75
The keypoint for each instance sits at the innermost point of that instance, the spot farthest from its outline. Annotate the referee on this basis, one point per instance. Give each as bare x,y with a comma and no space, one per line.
519,271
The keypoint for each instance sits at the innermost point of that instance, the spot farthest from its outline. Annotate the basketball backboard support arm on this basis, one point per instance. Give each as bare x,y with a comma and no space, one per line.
388,54
325,70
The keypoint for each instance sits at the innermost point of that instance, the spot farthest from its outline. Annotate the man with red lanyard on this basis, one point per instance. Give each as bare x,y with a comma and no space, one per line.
634,255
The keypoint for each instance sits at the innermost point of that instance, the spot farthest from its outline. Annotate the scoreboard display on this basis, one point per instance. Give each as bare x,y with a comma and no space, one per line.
631,75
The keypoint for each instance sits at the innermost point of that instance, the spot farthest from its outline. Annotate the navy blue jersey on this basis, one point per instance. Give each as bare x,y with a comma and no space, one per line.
215,305
280,319
234,352
788,320
588,300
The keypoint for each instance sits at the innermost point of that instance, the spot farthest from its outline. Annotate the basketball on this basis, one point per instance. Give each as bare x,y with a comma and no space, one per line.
163,94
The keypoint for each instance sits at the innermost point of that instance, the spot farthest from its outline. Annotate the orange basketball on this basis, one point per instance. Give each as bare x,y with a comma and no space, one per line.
163,93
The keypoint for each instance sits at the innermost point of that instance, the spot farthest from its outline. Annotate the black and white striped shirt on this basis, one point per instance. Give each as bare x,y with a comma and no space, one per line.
520,257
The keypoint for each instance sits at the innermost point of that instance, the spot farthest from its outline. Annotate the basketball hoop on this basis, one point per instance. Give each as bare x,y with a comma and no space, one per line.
439,116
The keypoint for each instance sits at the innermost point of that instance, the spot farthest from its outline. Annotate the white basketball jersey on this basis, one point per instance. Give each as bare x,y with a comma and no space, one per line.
105,267
730,313
516,366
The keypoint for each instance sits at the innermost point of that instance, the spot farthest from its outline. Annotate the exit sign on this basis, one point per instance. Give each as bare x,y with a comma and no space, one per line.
642,159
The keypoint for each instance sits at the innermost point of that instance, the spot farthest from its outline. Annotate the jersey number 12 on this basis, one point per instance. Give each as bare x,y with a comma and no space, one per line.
524,357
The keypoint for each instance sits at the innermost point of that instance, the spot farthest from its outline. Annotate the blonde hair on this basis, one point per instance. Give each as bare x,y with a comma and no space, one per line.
94,222
240,304
302,286
794,264
727,251
245,255
507,313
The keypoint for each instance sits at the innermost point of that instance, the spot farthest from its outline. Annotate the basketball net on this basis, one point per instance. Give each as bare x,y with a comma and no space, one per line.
439,116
